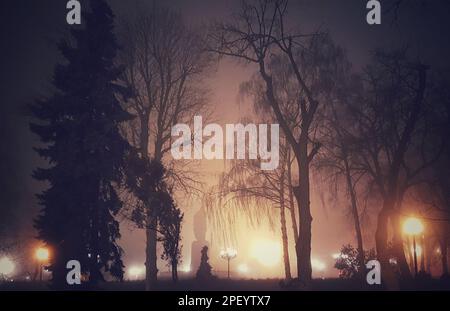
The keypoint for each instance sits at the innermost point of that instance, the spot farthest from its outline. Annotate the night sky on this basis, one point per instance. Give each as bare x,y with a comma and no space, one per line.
31,29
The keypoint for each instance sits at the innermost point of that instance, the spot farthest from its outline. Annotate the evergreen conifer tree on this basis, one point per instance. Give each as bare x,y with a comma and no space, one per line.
79,126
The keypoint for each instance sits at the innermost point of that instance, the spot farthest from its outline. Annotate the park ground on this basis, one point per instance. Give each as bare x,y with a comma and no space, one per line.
237,285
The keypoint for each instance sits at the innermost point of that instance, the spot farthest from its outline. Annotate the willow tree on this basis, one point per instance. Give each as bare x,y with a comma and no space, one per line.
248,188
258,35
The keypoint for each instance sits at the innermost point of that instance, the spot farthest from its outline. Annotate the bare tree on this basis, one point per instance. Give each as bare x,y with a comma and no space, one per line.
258,35
165,63
339,151
247,187
393,130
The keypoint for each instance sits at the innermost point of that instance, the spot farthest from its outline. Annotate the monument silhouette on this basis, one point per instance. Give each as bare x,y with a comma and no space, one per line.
200,227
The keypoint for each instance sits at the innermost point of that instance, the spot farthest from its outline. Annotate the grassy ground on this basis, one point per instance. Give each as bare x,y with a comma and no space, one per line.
234,285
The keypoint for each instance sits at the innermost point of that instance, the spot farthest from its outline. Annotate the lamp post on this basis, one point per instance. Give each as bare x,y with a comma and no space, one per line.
228,254
42,255
413,226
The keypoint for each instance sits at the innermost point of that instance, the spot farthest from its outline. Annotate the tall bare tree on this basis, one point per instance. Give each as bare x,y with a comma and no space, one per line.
393,138
165,63
339,151
247,187
259,35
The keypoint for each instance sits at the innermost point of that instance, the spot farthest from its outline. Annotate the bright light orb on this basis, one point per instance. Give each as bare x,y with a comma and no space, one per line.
243,268
6,266
266,252
412,226
42,254
135,272
317,264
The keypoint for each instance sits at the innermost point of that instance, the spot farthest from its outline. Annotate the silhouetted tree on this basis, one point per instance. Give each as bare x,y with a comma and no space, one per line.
146,179
260,35
348,262
170,220
165,63
85,152
339,149
394,148
257,193
204,270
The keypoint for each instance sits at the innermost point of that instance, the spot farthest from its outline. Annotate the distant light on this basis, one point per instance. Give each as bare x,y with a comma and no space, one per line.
186,268
266,252
243,268
317,264
336,255
135,272
412,226
42,254
438,250
228,253
418,250
339,255
7,266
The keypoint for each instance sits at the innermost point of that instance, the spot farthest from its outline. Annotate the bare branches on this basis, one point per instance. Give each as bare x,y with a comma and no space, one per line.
165,64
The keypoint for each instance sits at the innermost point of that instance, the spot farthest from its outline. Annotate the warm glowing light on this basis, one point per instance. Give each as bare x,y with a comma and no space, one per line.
228,253
6,266
339,255
317,264
243,268
42,254
267,252
418,250
135,272
412,226
186,268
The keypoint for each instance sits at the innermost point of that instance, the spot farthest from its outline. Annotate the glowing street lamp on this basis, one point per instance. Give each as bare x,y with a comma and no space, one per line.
42,255
228,254
413,226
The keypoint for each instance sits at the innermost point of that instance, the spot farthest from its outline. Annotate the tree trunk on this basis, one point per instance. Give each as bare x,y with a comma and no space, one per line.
284,236
304,240
151,269
381,240
355,215
174,272
428,248
291,198
444,242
